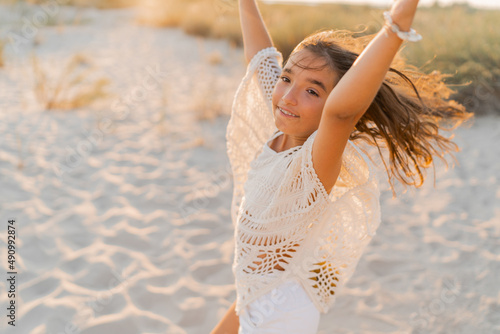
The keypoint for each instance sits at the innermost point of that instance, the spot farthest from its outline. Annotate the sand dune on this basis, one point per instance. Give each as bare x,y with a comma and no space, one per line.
122,207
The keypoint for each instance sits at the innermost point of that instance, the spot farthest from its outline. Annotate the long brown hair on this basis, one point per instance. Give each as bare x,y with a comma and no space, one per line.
407,113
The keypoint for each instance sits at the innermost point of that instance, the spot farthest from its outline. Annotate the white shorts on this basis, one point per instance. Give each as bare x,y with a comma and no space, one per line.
286,309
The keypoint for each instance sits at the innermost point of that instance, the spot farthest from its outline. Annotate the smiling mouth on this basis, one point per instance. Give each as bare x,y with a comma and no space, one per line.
287,113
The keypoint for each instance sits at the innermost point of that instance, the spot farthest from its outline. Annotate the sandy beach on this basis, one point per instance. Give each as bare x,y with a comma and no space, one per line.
121,207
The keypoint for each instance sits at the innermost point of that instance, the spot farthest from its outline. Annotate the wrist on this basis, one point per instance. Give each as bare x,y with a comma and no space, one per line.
406,34
404,23
403,12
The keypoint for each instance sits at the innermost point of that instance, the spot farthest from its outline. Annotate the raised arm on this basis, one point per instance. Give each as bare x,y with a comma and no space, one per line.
255,34
356,90
354,93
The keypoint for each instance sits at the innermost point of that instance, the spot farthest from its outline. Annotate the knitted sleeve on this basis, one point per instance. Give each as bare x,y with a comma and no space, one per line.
343,230
268,72
251,122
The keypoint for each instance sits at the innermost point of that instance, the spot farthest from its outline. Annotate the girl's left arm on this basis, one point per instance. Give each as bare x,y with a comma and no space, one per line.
354,93
356,90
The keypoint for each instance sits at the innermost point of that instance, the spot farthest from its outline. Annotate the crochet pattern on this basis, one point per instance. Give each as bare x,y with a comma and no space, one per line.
286,224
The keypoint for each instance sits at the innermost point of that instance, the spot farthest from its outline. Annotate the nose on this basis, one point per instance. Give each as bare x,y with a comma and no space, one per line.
289,96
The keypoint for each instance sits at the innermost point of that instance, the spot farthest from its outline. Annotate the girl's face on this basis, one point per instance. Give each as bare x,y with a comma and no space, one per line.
302,93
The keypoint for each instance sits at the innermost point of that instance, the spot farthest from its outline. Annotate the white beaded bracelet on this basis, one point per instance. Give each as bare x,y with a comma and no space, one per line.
410,36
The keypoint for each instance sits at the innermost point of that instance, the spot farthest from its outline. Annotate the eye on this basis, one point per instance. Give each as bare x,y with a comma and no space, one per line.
312,92
285,79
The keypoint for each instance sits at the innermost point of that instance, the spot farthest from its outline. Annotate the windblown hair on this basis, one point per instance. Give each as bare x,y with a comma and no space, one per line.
407,113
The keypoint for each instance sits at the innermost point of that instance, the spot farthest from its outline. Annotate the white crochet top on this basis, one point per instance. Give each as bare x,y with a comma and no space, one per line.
281,211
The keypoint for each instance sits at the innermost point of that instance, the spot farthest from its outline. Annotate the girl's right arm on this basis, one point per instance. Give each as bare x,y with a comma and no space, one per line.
229,324
255,34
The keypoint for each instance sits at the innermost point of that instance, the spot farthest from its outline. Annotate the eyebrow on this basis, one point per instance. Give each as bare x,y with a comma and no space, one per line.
315,82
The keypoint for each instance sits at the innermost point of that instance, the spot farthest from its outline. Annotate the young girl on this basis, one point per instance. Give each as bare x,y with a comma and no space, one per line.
306,200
